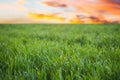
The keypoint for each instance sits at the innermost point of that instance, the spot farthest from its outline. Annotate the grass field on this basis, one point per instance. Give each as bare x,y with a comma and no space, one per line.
59,52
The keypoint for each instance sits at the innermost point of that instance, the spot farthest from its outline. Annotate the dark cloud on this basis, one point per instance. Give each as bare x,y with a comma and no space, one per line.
115,1
55,4
93,19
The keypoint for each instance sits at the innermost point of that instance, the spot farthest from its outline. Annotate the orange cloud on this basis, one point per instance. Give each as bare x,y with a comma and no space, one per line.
99,9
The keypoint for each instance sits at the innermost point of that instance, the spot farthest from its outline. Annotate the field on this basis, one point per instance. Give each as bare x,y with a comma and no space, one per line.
59,52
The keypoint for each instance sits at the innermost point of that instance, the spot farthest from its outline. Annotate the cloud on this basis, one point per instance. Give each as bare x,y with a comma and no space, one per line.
98,9
11,7
46,17
11,11
115,1
21,2
55,4
65,11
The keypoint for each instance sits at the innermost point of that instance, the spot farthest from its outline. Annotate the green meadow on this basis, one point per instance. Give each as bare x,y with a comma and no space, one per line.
59,52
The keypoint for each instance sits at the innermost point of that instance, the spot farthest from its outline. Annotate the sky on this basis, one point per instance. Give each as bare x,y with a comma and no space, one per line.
60,11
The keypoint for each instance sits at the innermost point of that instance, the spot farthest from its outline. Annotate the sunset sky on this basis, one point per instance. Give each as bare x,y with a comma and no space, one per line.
60,11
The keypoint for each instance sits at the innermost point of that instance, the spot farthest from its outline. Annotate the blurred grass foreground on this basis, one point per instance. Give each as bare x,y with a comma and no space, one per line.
59,52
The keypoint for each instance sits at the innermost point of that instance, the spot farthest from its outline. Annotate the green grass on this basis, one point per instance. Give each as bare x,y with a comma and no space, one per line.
59,52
